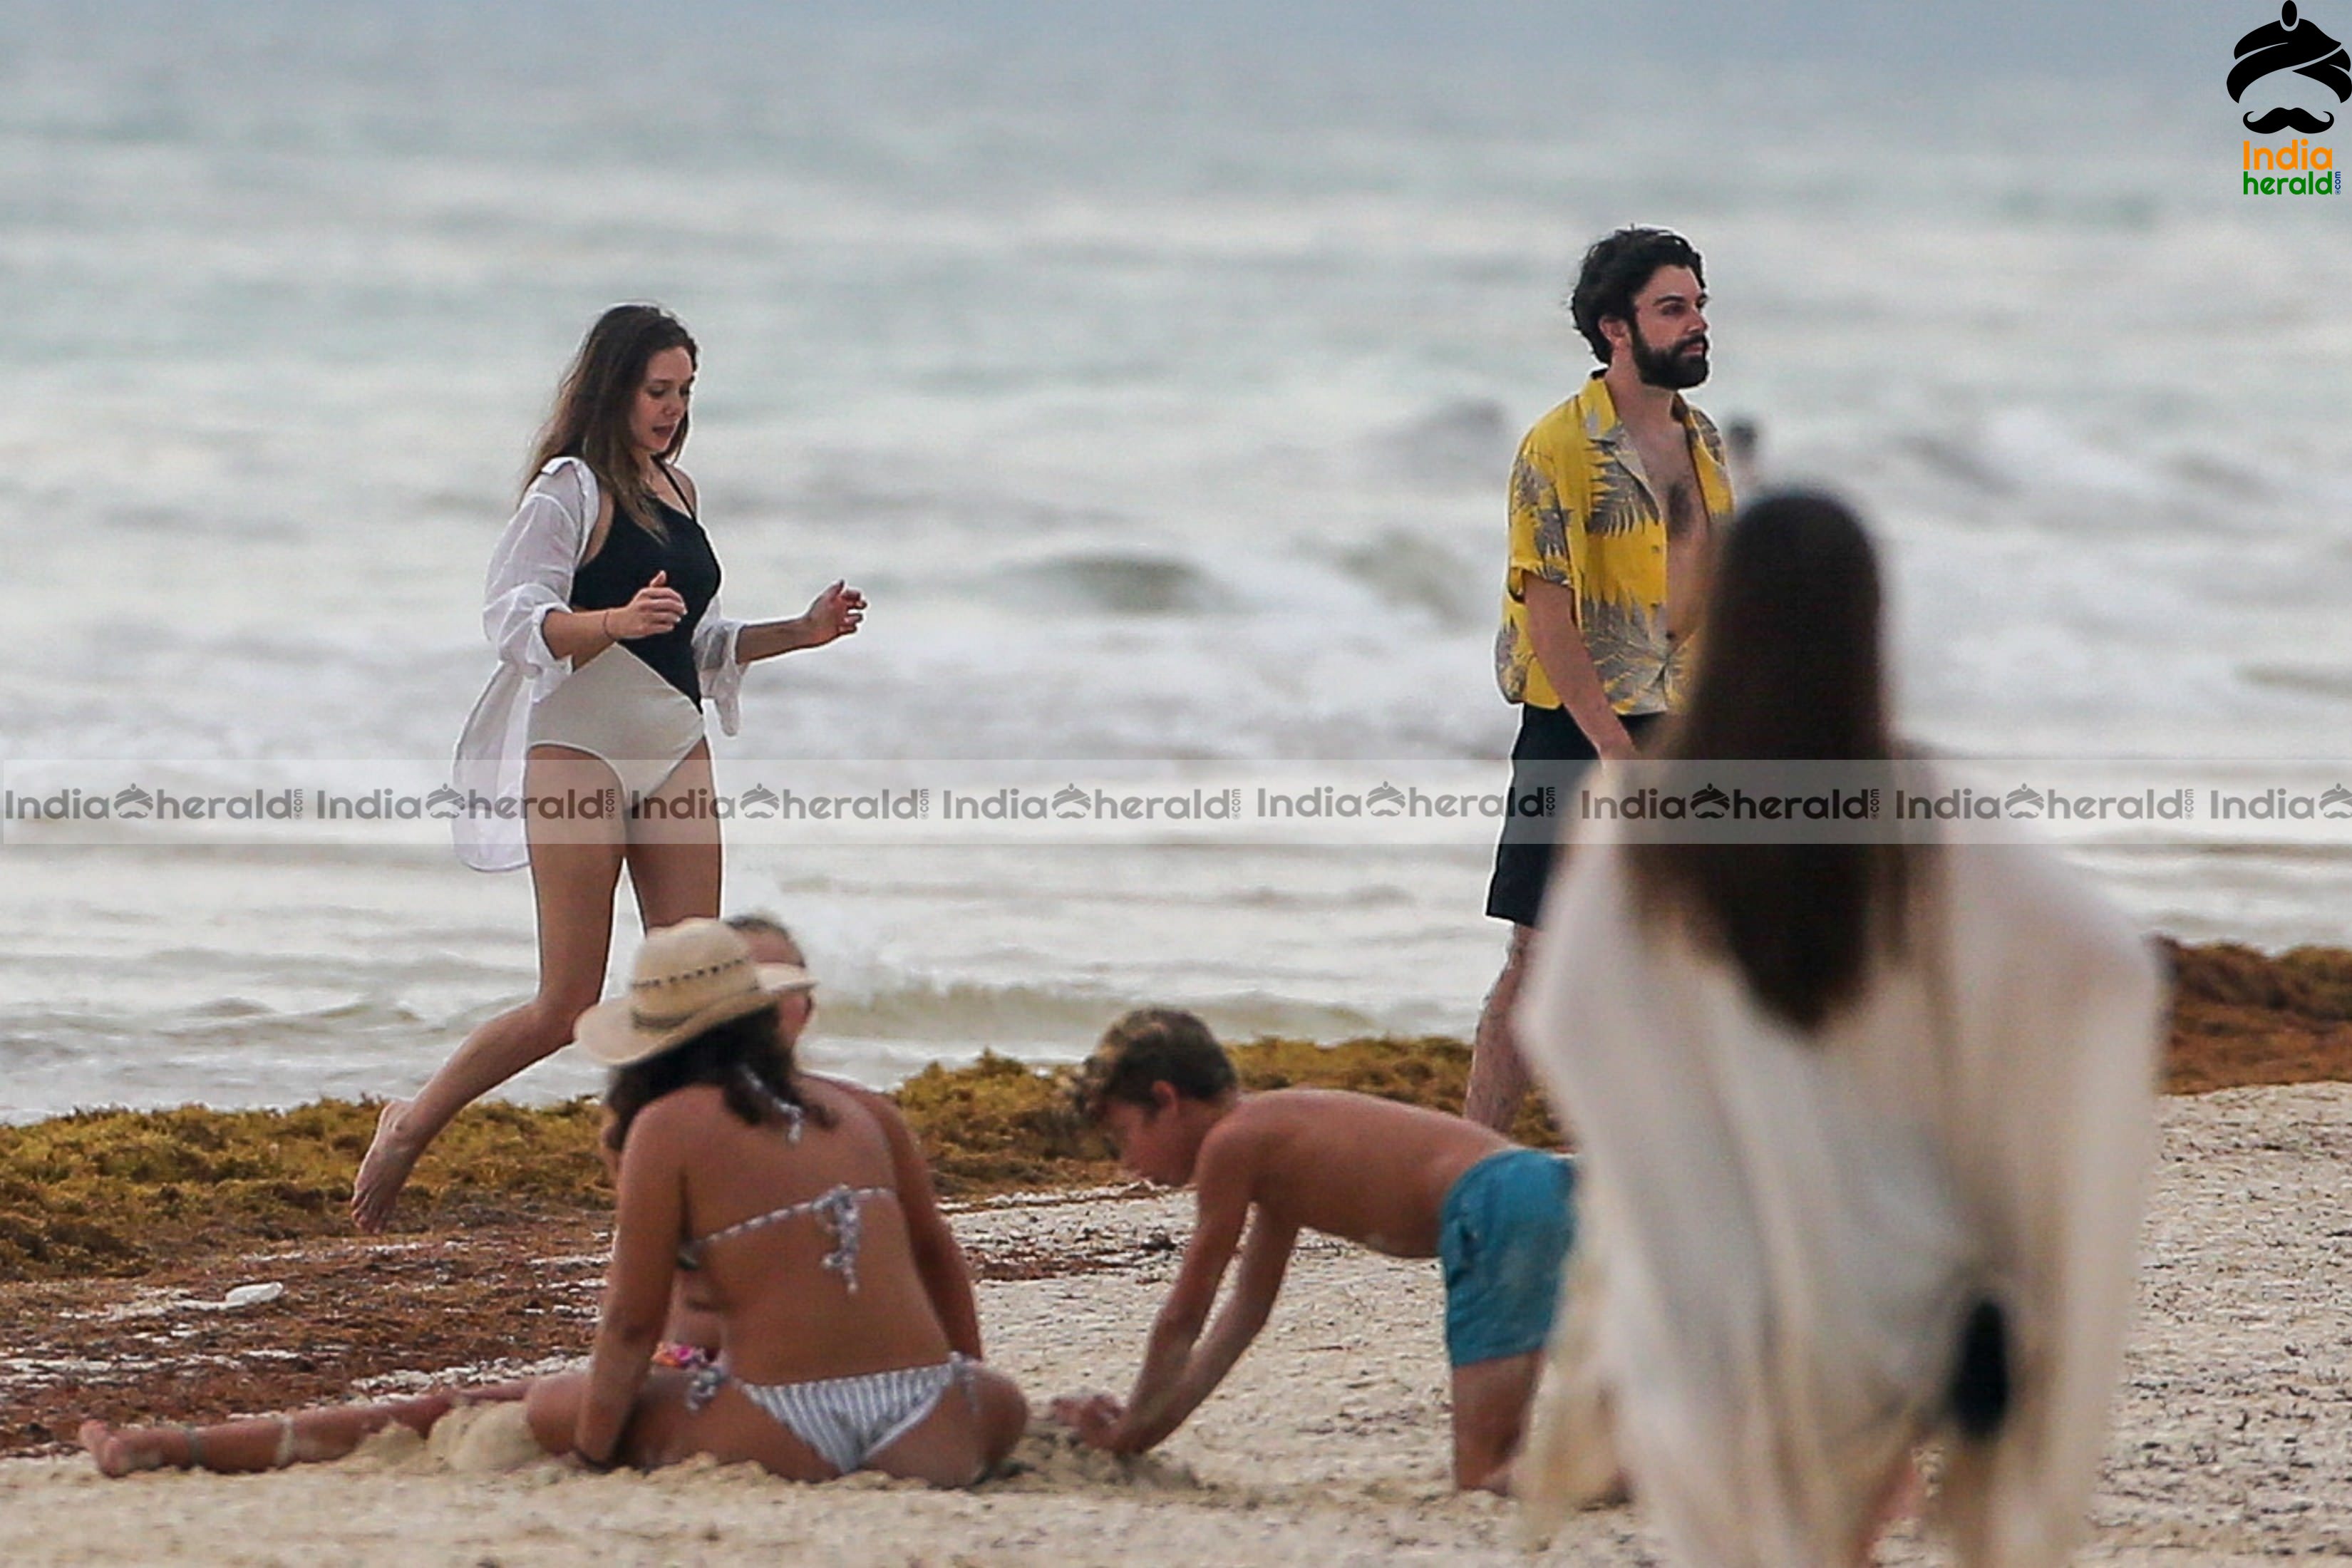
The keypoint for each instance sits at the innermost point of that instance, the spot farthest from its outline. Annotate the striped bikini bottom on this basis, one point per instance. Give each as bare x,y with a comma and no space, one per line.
846,1420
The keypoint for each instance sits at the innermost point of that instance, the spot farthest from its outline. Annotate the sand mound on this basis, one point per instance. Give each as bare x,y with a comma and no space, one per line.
471,1440
495,1439
393,1447
1050,1457
485,1439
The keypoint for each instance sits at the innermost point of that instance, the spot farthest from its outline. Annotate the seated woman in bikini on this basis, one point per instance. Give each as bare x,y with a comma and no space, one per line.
781,1192
691,1339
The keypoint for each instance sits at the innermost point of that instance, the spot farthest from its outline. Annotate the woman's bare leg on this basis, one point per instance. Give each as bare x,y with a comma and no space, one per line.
662,1431
272,1442
575,866
673,858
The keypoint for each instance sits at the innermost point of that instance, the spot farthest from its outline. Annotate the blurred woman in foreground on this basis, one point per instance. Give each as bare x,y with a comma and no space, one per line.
1866,1122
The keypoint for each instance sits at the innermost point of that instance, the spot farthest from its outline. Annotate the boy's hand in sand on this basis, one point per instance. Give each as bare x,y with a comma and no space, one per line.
1095,1418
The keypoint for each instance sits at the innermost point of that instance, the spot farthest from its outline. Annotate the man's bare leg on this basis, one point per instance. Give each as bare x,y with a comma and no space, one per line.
1498,1076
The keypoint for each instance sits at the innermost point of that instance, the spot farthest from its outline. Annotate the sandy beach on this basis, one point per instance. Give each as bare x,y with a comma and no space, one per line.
2231,1442
1160,373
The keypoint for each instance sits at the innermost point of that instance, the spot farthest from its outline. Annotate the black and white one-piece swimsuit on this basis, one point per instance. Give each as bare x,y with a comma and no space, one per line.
637,706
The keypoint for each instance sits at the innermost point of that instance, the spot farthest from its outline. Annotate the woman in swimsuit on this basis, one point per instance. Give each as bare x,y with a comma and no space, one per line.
693,1336
781,1193
587,751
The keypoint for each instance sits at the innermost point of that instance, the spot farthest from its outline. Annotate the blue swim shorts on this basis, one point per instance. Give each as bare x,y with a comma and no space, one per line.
1503,1236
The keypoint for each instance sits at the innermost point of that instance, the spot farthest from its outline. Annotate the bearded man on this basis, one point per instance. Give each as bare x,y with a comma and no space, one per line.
1616,497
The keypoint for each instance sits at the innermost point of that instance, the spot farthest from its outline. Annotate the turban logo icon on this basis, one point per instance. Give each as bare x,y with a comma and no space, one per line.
2290,44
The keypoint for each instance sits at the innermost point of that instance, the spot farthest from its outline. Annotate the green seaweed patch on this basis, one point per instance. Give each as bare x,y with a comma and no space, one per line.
2312,982
115,1192
1431,1071
1000,1126
119,1192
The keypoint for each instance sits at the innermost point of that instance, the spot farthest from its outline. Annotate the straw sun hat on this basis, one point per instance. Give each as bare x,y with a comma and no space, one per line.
692,976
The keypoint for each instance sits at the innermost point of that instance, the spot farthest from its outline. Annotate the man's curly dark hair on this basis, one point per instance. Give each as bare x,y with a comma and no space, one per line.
1618,267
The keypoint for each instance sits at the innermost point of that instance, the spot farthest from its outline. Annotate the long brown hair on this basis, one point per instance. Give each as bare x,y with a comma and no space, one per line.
746,1059
591,421
1789,670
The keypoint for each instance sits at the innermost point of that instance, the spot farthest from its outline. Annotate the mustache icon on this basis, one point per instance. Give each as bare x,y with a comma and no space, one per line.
2296,44
2288,119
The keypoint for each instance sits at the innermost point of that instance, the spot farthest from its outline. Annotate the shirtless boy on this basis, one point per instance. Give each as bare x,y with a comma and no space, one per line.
1400,1180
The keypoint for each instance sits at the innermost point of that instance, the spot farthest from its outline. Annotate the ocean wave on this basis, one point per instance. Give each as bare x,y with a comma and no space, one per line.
244,1025
224,1023
1109,583
1463,440
2316,680
1057,1020
1414,572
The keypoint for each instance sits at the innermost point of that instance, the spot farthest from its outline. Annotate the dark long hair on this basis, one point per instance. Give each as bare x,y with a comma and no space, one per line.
746,1061
591,421
1789,669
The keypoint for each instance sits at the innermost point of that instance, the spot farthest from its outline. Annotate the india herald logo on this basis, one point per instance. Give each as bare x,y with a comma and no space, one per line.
2290,44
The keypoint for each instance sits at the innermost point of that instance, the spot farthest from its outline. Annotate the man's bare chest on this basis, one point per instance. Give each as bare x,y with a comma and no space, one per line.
1671,480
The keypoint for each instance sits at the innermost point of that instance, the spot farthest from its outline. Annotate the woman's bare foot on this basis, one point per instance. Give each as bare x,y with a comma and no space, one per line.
385,1170
116,1453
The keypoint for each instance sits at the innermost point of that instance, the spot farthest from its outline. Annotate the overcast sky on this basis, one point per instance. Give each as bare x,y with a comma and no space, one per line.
2166,43
2159,41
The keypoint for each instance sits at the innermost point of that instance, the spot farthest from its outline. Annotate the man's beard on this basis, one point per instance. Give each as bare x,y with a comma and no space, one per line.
1670,368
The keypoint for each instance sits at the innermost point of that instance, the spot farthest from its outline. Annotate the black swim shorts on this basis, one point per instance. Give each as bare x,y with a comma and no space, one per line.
1551,752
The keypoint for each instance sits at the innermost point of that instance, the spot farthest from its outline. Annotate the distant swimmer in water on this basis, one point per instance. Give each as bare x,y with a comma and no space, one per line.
789,1201
603,604
1743,452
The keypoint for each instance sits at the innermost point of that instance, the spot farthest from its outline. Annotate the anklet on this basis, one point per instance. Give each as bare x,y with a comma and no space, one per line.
195,1437
285,1455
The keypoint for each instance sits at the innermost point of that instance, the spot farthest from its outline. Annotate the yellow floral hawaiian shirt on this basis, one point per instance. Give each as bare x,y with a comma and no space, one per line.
1584,516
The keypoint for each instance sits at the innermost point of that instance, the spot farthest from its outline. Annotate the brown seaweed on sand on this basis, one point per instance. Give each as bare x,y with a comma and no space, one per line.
121,1193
